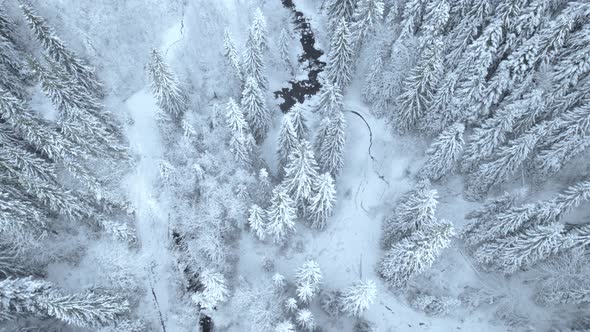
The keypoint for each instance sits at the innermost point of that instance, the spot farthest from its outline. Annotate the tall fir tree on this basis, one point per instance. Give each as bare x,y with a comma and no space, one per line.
414,212
300,174
339,63
322,202
253,62
281,215
357,298
308,279
59,52
259,29
257,222
330,100
287,143
166,89
299,122
414,255
255,111
367,15
331,144
284,47
231,54
339,9
444,153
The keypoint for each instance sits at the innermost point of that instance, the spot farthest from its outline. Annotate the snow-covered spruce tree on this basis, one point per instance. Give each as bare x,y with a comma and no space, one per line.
255,111
339,63
419,87
78,113
29,297
287,143
300,174
339,9
506,161
241,141
253,63
166,88
481,219
415,254
12,66
231,53
444,153
291,305
281,215
259,29
414,212
59,52
284,47
330,100
331,144
367,15
413,16
524,249
357,298
299,122
257,221
305,320
322,202
285,326
308,278
214,289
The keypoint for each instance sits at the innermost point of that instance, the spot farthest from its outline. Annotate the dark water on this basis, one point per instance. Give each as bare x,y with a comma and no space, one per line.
298,90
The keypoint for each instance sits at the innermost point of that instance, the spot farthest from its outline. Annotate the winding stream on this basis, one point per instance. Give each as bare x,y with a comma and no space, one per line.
299,90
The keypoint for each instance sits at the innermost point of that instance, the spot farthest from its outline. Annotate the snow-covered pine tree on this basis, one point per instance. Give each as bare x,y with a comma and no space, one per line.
281,215
285,326
367,15
253,63
414,212
357,298
322,202
308,278
291,305
255,111
214,289
481,219
60,53
300,174
413,14
30,297
339,9
331,144
241,141
444,153
78,113
524,249
257,221
506,162
415,254
437,15
259,29
419,87
287,143
330,100
284,48
166,88
339,63
231,53
299,122
12,65
305,320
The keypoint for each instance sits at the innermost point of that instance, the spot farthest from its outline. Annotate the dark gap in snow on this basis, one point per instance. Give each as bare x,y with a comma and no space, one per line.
206,323
298,90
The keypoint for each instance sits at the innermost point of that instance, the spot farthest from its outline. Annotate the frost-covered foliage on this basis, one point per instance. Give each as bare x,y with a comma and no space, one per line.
231,53
359,297
413,212
433,305
166,88
305,319
281,215
301,174
257,221
340,57
415,254
27,296
214,289
330,143
444,153
255,110
309,277
322,203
